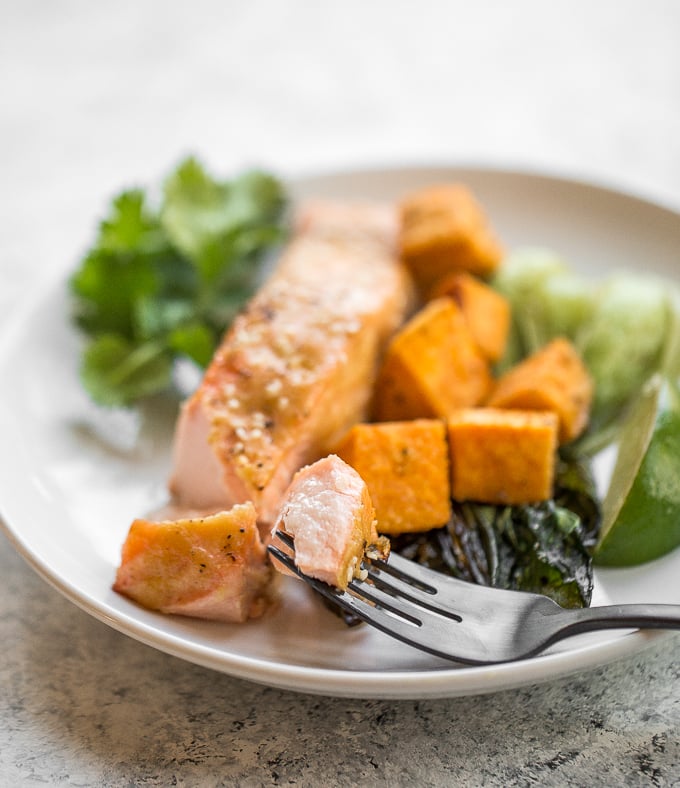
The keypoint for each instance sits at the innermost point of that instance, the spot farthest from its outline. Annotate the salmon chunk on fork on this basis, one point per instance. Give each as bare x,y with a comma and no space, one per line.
327,510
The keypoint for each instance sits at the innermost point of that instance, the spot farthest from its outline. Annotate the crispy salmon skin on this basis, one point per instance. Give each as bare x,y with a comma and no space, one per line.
296,369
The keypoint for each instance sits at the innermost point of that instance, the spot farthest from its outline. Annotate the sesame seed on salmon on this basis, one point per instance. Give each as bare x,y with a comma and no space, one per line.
296,369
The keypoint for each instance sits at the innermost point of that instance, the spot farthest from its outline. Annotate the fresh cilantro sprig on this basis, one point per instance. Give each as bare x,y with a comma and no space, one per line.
162,283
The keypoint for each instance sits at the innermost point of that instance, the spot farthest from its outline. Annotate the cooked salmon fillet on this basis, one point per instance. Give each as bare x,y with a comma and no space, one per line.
213,567
328,511
296,369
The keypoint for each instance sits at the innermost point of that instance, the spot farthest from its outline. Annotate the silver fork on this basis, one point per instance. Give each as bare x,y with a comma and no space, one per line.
465,622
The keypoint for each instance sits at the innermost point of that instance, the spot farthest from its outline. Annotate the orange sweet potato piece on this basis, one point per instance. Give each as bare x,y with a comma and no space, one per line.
213,567
487,312
406,468
502,456
431,367
444,229
555,379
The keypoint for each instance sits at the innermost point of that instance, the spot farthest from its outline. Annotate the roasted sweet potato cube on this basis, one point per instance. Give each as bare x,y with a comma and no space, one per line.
444,229
486,312
213,567
502,456
432,366
555,379
406,468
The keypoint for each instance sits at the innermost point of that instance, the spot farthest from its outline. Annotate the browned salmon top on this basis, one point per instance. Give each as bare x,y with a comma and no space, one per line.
296,369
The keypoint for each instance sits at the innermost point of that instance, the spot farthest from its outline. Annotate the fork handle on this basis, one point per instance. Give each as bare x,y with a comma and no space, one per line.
639,616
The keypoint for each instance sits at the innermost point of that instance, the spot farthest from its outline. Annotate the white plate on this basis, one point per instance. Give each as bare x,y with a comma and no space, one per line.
68,497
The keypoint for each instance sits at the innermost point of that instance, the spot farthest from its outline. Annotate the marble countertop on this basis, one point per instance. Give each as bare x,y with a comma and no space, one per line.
96,97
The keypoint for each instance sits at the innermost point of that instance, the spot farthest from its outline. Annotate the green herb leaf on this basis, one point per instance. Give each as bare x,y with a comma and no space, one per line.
131,226
107,287
160,284
116,372
210,221
193,340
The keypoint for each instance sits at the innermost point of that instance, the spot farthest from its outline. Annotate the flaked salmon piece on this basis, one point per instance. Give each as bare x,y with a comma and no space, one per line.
296,369
328,511
212,567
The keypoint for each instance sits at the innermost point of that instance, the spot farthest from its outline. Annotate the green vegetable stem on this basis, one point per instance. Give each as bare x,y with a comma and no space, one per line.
162,283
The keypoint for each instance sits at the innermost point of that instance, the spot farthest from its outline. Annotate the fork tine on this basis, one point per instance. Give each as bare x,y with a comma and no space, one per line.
368,612
414,604
388,595
287,539
398,566
398,578
410,572
385,584
384,614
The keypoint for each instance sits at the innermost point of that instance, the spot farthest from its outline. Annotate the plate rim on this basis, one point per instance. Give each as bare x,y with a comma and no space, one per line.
390,684
522,169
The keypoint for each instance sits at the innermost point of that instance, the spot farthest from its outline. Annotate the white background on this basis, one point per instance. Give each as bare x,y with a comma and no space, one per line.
96,96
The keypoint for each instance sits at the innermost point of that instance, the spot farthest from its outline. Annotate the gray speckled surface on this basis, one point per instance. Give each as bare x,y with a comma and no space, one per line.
96,96
83,705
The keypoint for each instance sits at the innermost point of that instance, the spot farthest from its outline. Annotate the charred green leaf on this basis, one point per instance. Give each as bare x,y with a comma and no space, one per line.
544,548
